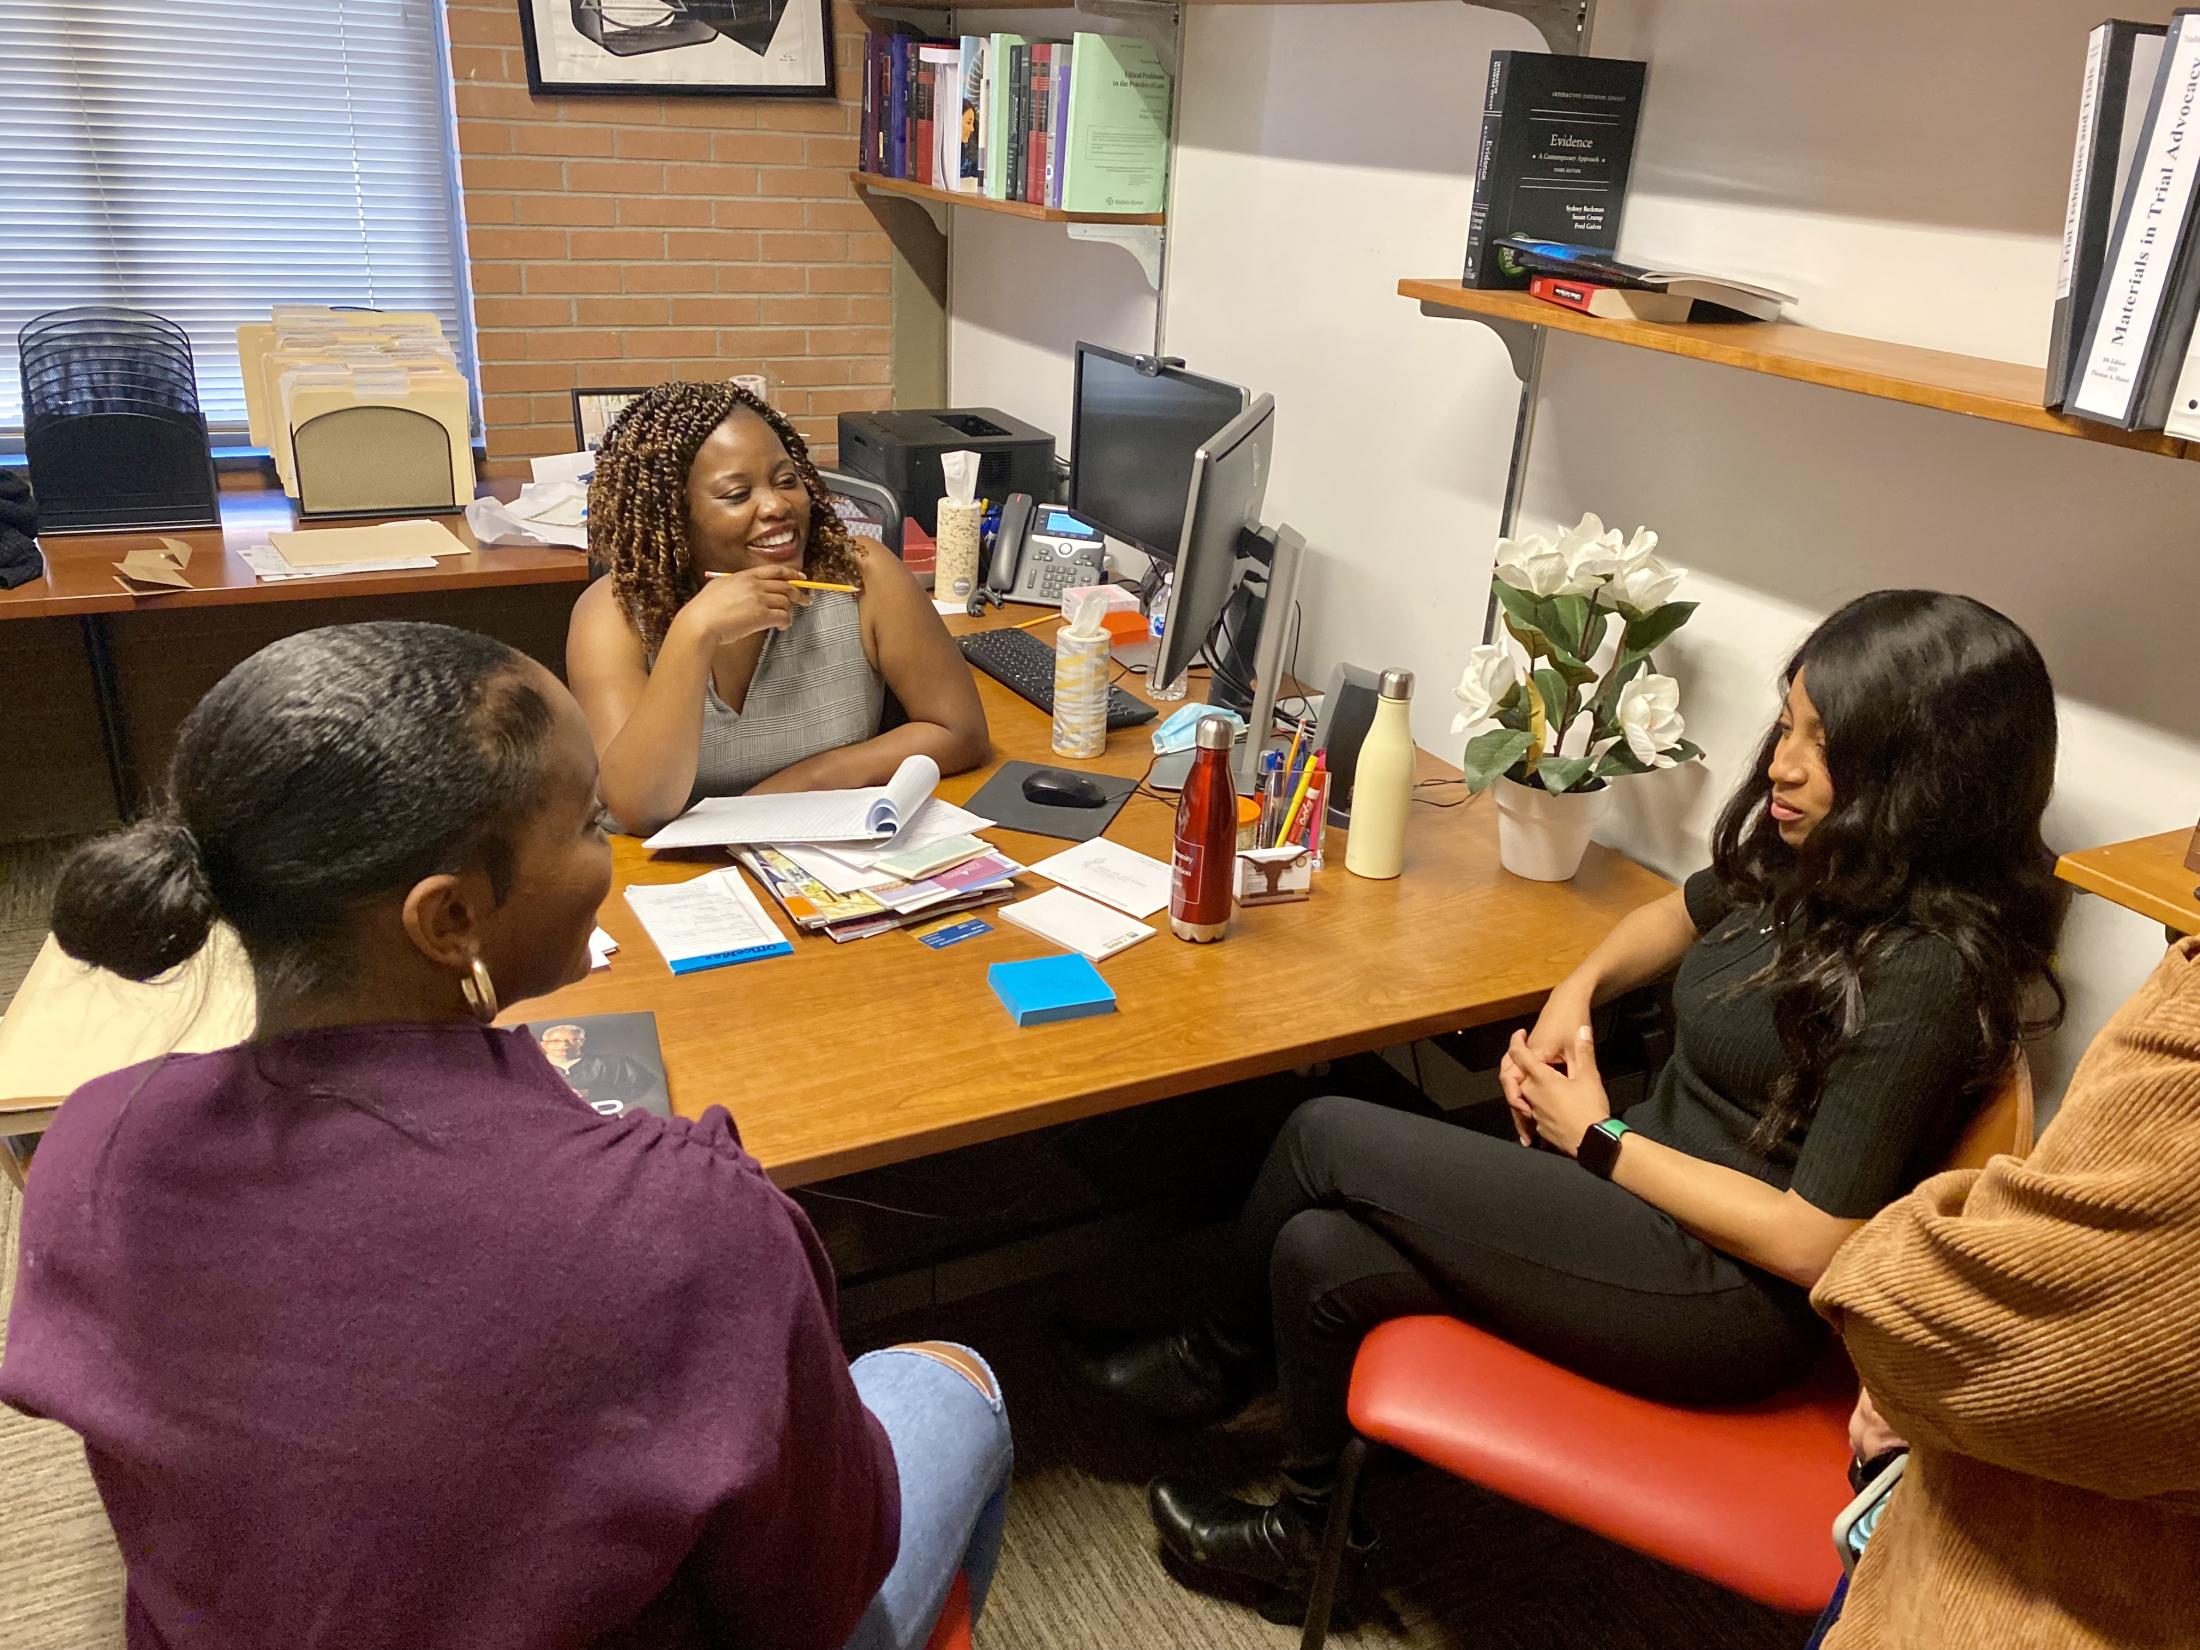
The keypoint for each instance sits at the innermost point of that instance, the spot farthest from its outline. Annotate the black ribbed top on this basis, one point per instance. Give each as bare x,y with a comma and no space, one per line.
1893,1103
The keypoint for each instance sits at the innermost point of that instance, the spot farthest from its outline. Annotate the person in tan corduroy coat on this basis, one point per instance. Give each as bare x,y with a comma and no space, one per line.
2033,1330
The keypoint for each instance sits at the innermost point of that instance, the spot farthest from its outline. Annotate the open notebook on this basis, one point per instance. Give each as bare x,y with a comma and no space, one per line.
874,814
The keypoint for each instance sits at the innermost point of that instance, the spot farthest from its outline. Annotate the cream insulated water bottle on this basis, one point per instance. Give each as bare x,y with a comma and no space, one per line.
1081,683
1382,784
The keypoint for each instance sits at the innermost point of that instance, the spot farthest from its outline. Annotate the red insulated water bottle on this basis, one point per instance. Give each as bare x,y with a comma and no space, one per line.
1206,839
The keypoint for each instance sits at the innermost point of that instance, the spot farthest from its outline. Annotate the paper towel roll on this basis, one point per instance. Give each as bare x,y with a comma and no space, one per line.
955,573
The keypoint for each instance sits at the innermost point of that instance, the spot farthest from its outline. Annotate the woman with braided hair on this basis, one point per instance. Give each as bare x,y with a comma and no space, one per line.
702,670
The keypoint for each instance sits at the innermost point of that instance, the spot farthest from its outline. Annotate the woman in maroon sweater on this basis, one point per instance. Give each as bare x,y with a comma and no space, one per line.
375,1333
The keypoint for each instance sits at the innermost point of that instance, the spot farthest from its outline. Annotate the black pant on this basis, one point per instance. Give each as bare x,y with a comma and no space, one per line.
1362,1214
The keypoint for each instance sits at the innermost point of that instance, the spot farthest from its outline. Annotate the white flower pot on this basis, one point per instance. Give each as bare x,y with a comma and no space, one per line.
1543,837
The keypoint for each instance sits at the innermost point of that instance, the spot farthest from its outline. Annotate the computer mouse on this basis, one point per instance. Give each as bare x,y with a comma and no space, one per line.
1052,788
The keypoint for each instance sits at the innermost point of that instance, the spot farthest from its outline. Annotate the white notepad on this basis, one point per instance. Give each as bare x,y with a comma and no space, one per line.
1134,883
874,814
706,923
1077,923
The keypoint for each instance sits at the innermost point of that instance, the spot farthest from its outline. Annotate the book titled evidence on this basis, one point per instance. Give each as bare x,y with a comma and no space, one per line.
1000,88
1115,139
1610,303
2121,60
1532,257
1558,140
2126,371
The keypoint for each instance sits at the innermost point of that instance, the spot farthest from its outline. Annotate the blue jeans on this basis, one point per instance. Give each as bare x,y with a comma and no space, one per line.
951,1449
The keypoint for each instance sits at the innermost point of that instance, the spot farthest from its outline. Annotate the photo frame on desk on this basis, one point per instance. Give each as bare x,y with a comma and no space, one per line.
697,48
594,410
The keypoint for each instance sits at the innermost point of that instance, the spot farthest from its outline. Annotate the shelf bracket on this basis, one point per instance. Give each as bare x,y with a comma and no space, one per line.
1141,240
1564,24
1519,338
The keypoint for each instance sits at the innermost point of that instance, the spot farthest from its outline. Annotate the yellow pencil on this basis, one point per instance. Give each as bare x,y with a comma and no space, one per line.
1297,797
1026,624
802,584
1291,760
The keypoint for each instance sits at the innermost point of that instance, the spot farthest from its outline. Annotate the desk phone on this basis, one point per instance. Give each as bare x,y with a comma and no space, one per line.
1041,551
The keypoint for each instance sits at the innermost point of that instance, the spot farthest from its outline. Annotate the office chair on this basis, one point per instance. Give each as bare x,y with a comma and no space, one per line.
1744,1496
875,512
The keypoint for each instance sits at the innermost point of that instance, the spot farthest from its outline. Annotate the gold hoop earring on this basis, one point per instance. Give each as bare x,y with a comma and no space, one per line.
479,991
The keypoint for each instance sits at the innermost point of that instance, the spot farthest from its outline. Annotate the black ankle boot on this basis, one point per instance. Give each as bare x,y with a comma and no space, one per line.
1277,1546
1188,1376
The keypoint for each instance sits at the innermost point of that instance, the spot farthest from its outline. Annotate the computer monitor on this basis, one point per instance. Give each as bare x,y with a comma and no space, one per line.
1134,425
1231,569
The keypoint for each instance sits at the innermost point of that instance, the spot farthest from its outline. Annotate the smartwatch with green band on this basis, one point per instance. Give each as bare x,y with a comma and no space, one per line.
1599,1152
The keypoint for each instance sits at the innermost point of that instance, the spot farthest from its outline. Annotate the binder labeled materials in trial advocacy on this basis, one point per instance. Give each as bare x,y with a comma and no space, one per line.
2143,313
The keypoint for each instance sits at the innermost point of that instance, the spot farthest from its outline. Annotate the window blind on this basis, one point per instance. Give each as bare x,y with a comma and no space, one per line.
206,159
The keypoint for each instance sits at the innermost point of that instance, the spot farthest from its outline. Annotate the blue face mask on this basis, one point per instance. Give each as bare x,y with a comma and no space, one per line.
1176,733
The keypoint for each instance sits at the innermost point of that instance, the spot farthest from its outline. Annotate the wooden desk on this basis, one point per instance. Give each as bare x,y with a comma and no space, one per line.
845,1057
2147,875
80,584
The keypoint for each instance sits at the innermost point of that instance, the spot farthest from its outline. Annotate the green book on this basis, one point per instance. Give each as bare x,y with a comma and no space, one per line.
998,113
1115,138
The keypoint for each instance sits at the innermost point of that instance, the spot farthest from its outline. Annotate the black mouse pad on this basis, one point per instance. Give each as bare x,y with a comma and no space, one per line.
1001,799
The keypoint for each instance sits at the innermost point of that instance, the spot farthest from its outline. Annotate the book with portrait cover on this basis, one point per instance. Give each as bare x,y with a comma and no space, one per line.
612,1061
1558,139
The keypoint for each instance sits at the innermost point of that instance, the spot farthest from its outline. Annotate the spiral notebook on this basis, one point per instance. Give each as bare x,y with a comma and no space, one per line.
876,813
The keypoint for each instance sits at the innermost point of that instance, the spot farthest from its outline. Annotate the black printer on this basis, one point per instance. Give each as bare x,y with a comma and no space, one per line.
901,452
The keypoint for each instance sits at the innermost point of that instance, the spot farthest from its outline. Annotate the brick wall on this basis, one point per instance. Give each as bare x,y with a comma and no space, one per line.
628,240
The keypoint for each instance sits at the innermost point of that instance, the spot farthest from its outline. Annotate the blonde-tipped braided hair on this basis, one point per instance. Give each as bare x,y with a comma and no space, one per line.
637,502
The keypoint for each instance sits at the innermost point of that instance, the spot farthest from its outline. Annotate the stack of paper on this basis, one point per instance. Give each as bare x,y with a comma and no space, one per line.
707,923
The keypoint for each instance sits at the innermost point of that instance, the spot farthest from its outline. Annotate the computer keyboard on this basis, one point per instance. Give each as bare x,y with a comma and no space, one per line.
1022,663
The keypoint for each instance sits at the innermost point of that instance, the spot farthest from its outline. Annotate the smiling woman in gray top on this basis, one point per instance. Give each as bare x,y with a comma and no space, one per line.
702,667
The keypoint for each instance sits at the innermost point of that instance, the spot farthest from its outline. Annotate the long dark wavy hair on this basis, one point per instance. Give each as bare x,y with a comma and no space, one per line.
1940,742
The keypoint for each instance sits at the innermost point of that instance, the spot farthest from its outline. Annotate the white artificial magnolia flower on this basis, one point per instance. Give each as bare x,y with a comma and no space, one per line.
1491,673
1532,563
1650,719
1592,555
1643,582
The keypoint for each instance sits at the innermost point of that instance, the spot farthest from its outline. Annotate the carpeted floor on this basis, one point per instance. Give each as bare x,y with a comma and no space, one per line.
1457,1569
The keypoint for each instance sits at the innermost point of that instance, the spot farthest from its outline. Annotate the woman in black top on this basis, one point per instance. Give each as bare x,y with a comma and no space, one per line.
1852,975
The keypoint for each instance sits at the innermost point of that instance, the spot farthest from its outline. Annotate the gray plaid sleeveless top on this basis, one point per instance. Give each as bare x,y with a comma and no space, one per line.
815,690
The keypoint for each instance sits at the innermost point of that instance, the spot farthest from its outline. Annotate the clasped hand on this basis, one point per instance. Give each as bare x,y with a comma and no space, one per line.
1559,1097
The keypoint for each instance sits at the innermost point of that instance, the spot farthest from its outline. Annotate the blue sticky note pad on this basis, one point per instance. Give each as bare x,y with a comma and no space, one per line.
1047,989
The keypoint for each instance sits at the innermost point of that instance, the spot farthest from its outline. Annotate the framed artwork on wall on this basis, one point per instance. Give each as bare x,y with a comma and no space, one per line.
703,48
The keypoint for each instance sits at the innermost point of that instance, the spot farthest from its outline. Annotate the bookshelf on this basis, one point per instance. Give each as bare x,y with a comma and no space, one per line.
2147,875
983,203
2004,392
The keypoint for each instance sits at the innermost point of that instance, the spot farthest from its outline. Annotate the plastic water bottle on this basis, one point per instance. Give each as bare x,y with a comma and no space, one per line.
1158,622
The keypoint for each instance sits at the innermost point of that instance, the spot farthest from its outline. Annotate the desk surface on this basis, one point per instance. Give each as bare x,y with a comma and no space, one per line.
80,567
845,1057
2147,875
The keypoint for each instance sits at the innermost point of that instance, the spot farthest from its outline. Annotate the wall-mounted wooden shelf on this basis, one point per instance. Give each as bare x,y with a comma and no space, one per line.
1014,209
2148,875
2003,391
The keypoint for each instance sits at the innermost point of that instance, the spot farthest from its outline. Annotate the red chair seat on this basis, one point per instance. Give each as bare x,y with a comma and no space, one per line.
952,1630
1745,1496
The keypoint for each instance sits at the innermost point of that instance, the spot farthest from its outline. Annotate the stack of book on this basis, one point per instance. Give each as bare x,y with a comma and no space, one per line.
1080,124
2120,348
855,892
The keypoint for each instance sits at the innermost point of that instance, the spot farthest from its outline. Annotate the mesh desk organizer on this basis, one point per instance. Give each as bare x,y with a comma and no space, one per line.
111,423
